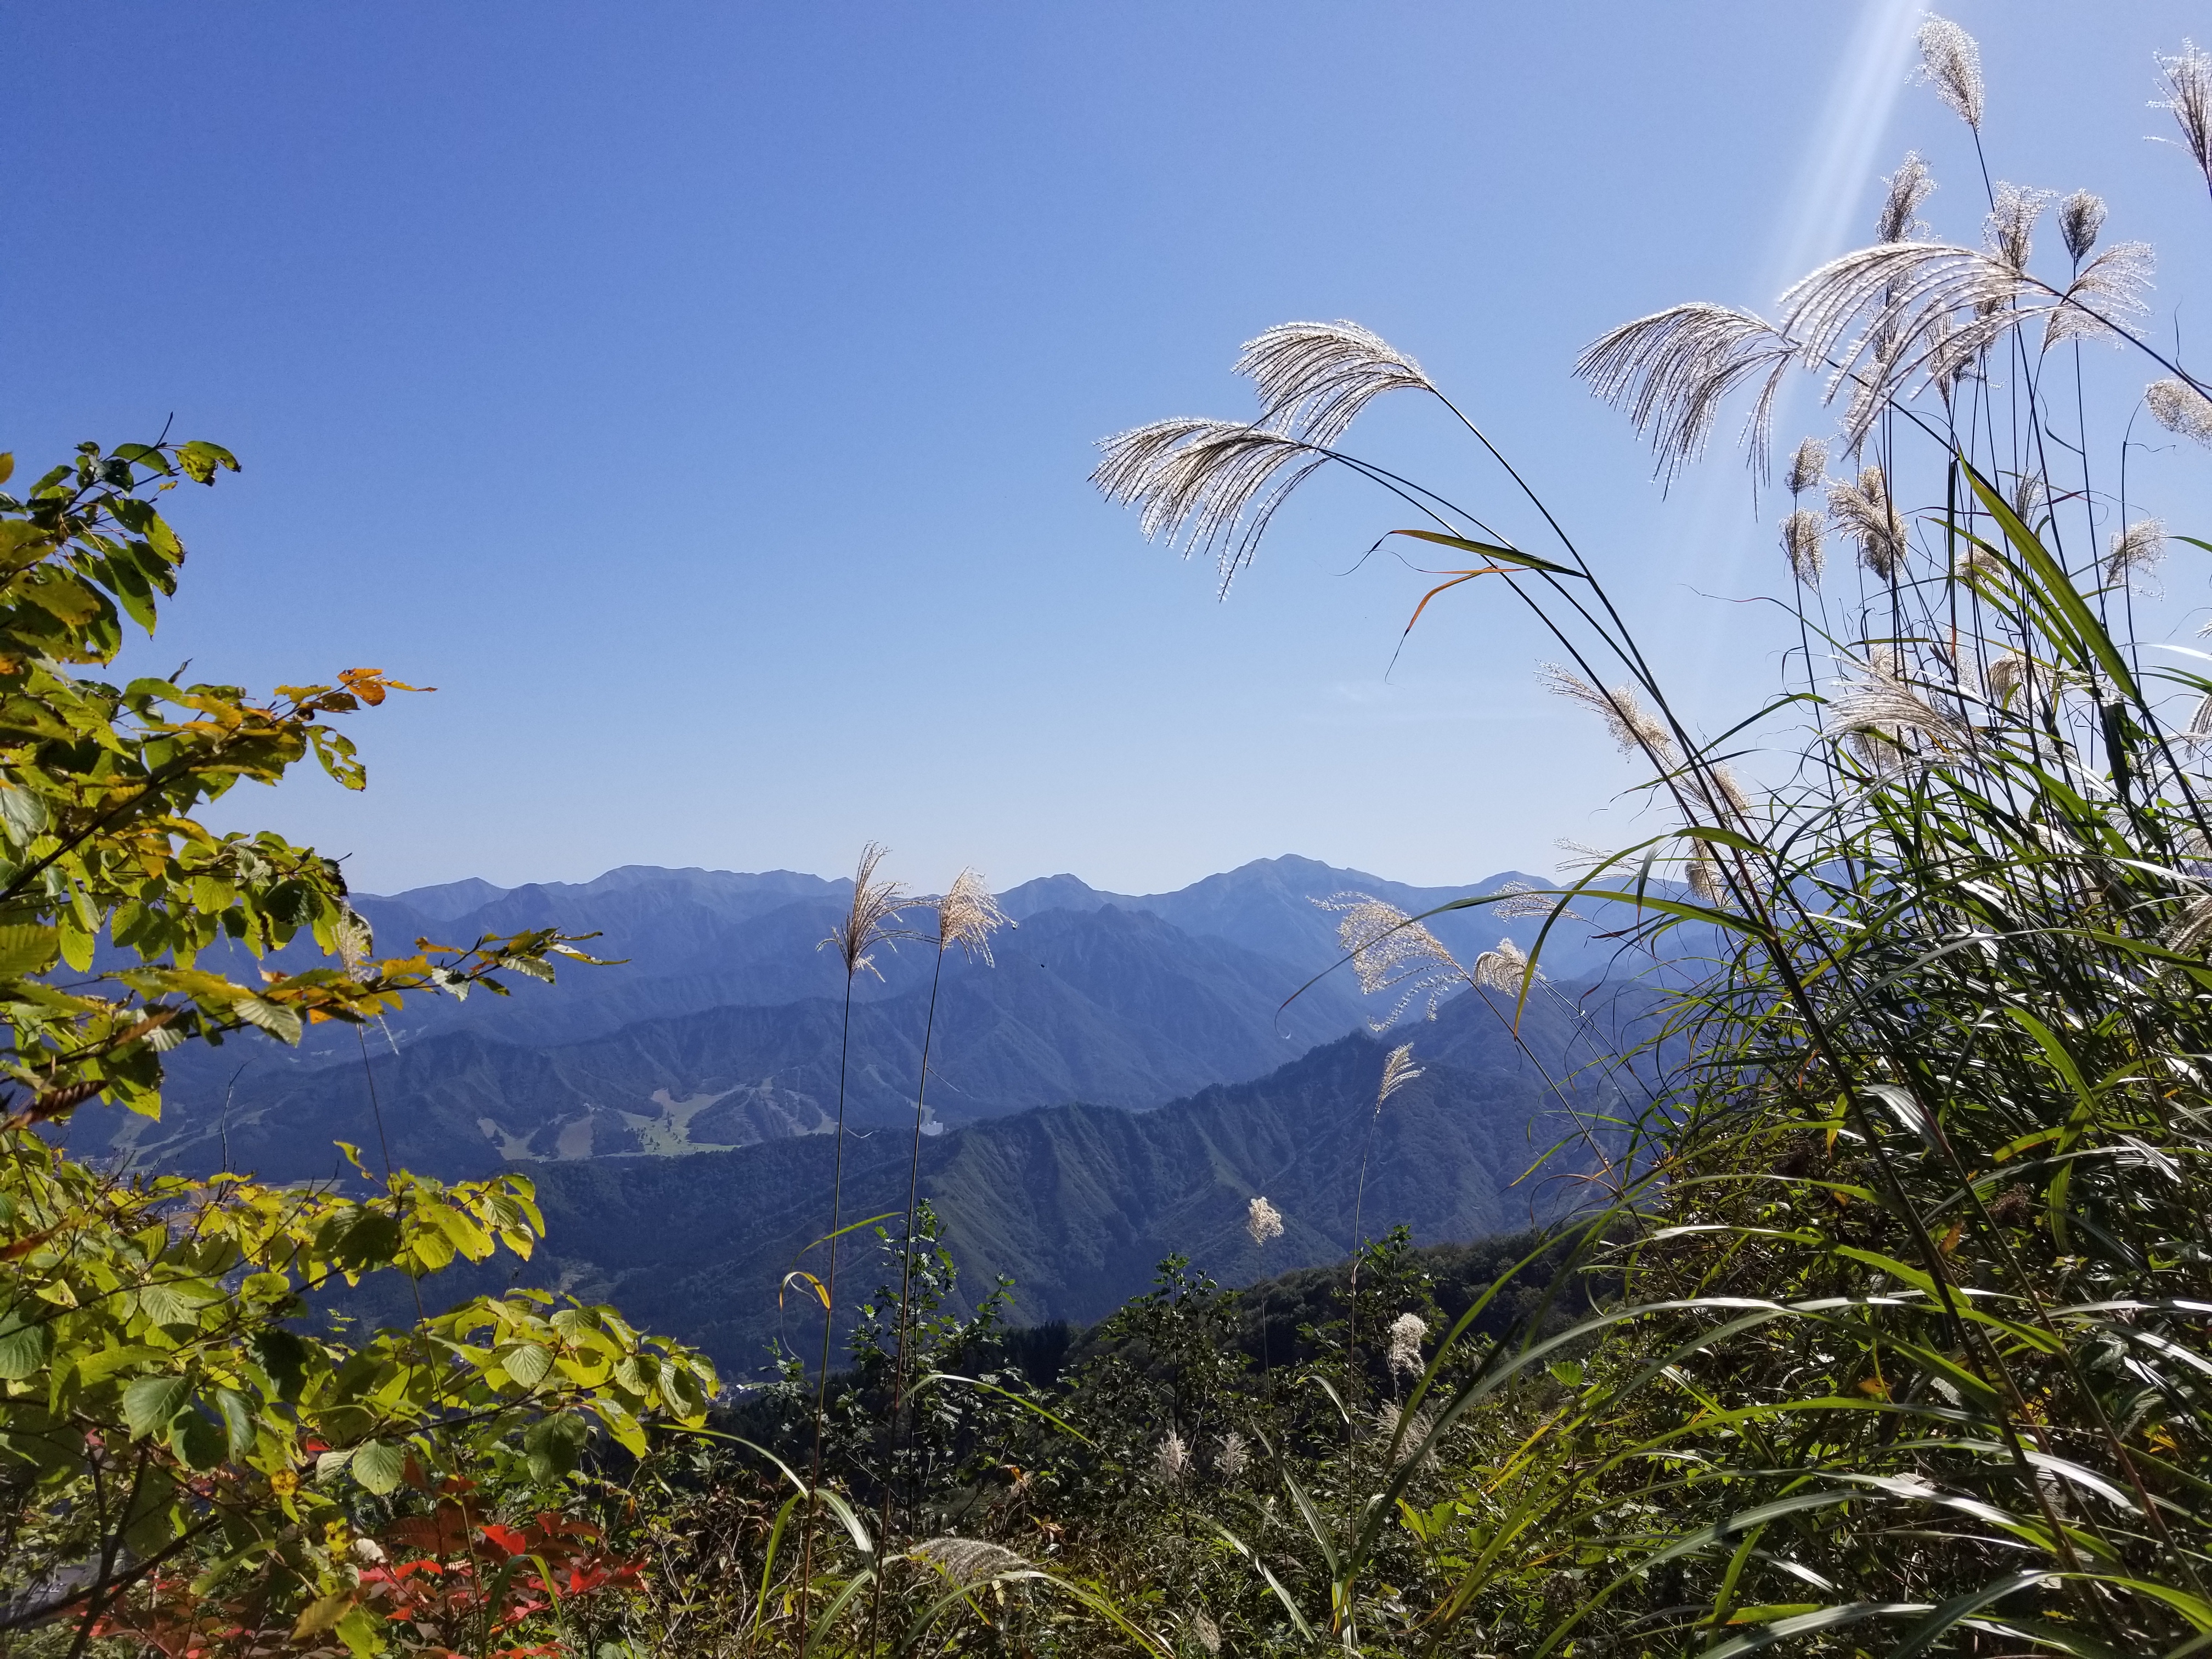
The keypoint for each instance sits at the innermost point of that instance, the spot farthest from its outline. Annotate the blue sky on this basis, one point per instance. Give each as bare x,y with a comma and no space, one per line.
702,396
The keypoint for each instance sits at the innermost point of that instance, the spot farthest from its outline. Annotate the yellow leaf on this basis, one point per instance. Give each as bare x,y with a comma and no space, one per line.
321,1615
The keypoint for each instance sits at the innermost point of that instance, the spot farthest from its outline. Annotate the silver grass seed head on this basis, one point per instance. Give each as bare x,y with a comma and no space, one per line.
1579,855
1506,969
2192,928
968,1561
2180,407
1205,485
1722,785
1863,510
2187,75
1263,1222
1387,1416
1877,701
1234,1457
355,940
1171,1457
1702,875
1522,900
2200,731
1671,371
1208,1632
1407,1331
872,917
1978,565
2134,550
1904,189
1886,317
968,915
1800,545
2010,227
1390,951
2008,673
1809,466
2104,296
1632,726
1398,1071
1314,378
1951,62
2080,217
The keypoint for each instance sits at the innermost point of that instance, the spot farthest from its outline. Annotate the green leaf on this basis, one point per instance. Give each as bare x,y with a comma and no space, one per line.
380,1465
371,1242
284,1357
237,1414
554,1444
22,1352
165,1303
1491,550
197,1441
527,1363
149,1403
200,460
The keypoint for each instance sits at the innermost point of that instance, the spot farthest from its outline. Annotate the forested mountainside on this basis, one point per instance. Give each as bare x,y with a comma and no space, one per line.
1078,1204
720,1026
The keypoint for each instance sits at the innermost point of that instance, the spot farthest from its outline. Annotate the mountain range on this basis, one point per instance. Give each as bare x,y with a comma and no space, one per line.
722,1026
1076,1204
1116,1084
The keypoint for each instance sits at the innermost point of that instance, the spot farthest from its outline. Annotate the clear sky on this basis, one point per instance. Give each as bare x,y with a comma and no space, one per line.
702,396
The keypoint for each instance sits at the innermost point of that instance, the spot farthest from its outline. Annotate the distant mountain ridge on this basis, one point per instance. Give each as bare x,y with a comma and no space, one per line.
1111,1008
1078,1202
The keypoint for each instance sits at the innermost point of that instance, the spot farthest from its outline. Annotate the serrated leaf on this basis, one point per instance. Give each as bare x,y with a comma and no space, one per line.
323,1615
237,1416
527,1363
22,1352
280,1022
379,1465
149,1403
197,1441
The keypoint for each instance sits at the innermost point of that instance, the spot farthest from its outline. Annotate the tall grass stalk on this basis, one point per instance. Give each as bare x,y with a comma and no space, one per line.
967,916
1909,1285
871,920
